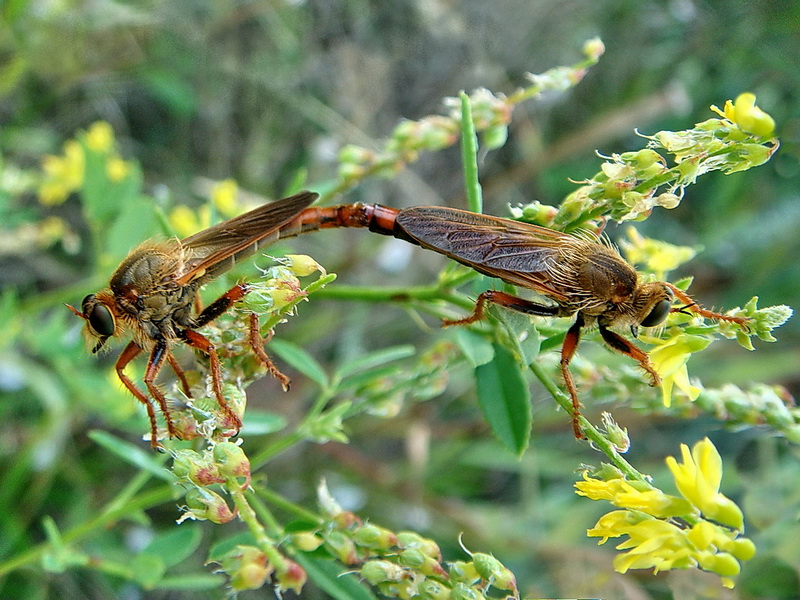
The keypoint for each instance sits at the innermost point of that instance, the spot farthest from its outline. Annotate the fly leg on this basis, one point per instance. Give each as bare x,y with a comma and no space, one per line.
157,356
181,375
199,341
222,304
568,348
693,306
620,344
131,351
506,300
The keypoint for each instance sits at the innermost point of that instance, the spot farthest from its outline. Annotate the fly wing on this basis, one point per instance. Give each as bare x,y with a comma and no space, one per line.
519,253
215,250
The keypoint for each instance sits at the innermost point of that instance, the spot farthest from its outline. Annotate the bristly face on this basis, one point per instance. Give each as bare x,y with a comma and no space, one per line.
101,323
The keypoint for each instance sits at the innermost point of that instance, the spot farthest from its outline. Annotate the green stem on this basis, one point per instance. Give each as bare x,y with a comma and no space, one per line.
469,156
249,517
280,502
589,430
108,515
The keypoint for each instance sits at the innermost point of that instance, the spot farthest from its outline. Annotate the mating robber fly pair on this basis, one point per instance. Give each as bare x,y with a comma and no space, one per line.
152,295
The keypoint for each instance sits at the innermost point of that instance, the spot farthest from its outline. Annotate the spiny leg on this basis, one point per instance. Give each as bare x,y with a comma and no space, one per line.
157,357
222,304
181,375
568,348
506,300
257,345
690,304
199,341
131,351
620,344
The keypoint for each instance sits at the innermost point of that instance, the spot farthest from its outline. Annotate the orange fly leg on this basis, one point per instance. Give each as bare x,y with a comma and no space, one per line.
568,349
506,300
199,341
131,351
157,357
620,344
181,375
257,345
690,304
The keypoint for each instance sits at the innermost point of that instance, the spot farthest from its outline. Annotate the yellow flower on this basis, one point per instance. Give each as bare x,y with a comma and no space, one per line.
654,255
225,197
100,137
186,222
117,169
669,359
633,495
698,479
747,116
63,174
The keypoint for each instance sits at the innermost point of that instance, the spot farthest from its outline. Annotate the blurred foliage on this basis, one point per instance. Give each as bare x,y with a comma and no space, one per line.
268,94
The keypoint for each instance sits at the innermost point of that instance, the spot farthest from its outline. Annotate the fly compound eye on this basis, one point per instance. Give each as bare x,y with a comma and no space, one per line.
101,320
657,314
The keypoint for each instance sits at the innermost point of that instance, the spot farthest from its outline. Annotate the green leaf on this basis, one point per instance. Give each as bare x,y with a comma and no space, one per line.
221,548
300,360
257,422
475,347
147,460
504,398
327,574
148,570
175,545
135,223
193,581
374,359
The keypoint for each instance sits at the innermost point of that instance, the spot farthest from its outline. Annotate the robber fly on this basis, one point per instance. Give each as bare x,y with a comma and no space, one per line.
153,294
583,276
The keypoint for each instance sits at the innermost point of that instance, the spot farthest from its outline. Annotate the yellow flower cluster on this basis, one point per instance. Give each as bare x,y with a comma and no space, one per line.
224,198
66,173
701,529
747,116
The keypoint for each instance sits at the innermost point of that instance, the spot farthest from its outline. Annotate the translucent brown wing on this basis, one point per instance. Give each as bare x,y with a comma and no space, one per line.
518,253
213,251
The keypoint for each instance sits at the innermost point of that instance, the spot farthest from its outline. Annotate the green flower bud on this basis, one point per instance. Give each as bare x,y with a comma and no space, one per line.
430,589
411,539
205,504
197,468
380,571
232,462
464,572
302,265
341,547
462,592
493,571
247,567
306,541
374,537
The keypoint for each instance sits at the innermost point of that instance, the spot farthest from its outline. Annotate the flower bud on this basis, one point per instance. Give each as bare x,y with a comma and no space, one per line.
462,592
341,547
416,560
302,265
232,462
464,572
430,589
374,537
493,571
306,541
205,504
291,576
380,571
411,539
197,468
247,567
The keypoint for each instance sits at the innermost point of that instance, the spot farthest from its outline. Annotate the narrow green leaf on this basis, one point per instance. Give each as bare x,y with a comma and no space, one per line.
259,422
327,574
193,581
505,399
300,360
147,460
374,359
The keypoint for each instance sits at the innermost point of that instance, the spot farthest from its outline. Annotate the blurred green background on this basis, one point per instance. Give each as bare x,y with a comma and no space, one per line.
266,92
